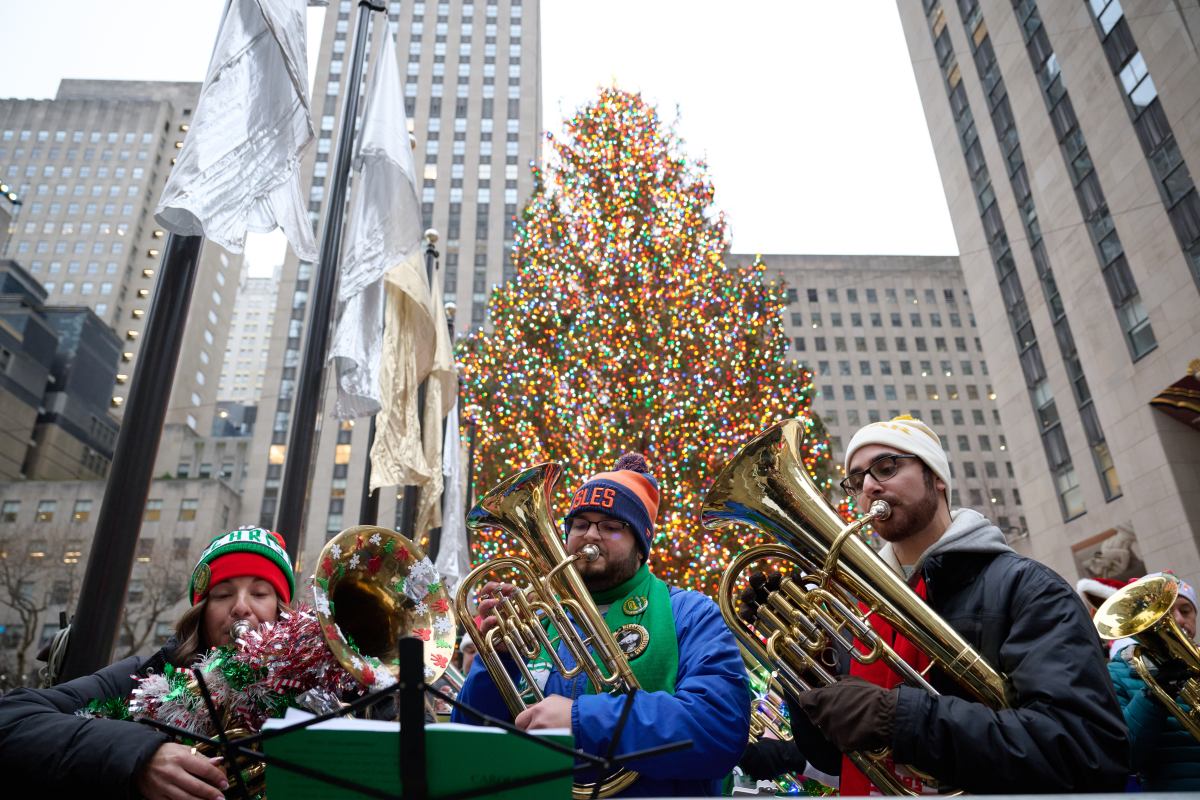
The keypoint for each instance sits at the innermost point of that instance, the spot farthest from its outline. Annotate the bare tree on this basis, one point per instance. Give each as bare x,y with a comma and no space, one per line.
154,590
36,574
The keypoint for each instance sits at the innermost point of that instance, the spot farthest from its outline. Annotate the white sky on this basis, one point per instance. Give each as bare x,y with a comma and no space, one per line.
806,112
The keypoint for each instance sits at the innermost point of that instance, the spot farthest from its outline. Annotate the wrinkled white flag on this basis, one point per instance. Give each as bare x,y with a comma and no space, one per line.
454,557
383,231
239,168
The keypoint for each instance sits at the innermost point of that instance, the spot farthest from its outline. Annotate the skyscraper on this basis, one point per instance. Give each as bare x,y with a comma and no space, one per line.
473,97
248,345
1063,133
88,167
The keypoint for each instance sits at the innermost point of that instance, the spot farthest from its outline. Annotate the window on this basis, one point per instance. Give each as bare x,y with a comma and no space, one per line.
10,510
145,549
187,509
45,510
153,510
83,510
179,548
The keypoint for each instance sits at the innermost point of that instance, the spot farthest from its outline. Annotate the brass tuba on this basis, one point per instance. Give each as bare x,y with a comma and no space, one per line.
766,485
1142,611
552,591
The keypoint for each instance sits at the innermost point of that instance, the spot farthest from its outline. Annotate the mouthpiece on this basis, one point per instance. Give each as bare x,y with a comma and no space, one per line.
880,509
239,629
589,552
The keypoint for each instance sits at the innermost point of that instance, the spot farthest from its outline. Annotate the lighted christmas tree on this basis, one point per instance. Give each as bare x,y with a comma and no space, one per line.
623,329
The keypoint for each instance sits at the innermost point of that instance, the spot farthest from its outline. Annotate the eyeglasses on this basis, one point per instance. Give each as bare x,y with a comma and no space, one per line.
880,469
580,526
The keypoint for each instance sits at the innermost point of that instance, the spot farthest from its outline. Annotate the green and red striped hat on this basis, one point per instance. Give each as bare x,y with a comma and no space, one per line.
248,551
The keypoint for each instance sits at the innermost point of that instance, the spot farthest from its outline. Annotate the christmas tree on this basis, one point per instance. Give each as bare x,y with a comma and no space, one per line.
623,329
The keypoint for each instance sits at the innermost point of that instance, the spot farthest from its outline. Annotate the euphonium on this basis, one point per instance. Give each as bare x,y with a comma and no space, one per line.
1142,611
766,485
553,591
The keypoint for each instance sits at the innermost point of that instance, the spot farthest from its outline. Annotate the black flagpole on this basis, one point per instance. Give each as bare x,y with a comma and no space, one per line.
102,596
289,517
412,493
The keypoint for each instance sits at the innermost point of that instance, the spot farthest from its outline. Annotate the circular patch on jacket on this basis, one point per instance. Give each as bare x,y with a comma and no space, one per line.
635,605
200,579
632,639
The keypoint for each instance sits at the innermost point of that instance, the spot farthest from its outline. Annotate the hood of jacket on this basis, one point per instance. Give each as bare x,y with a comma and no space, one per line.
969,532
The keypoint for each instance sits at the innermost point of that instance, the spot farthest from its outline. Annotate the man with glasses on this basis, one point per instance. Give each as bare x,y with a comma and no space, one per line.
1063,730
693,685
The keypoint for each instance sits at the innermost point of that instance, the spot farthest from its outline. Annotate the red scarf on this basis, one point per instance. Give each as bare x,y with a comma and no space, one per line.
854,782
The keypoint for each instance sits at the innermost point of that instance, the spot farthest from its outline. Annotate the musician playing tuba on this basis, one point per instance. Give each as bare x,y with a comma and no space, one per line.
1063,729
1166,757
693,685
47,749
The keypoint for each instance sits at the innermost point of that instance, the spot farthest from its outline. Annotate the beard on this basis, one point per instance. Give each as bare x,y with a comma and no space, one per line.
907,520
598,577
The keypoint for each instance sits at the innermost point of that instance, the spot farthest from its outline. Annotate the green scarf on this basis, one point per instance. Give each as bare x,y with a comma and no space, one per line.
645,601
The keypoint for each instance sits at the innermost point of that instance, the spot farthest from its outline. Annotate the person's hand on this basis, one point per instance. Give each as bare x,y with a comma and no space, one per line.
852,713
178,772
553,712
756,593
491,595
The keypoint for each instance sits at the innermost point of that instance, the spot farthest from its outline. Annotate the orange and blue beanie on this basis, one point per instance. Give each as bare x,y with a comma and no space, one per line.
628,493
254,552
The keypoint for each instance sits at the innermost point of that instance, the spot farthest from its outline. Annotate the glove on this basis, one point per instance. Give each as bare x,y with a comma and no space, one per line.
759,589
852,713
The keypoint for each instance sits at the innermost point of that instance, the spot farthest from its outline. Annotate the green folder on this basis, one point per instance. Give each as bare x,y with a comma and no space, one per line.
460,757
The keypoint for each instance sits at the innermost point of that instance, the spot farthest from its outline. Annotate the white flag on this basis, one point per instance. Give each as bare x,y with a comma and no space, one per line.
383,232
239,168
454,557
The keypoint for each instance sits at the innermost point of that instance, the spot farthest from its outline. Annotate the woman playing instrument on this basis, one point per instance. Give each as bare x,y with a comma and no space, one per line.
1164,754
47,747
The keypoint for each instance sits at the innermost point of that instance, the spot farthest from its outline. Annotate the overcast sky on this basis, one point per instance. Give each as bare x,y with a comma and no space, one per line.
806,112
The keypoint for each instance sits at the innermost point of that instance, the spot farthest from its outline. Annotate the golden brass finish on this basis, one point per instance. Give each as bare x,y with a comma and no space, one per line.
833,571
1142,611
549,588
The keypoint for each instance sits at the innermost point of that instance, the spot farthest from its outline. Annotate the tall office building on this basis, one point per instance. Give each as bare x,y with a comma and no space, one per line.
891,335
1063,133
88,167
248,345
473,97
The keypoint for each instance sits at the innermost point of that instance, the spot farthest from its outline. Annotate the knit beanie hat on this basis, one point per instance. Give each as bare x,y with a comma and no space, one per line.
1185,589
249,551
909,435
628,493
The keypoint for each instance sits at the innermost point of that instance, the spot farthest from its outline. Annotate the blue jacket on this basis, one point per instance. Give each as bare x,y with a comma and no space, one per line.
1165,755
711,706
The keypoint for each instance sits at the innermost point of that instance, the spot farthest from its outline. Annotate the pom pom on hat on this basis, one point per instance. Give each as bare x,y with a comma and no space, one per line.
628,493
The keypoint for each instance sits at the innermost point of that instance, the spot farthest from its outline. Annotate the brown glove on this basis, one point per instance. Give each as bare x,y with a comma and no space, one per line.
852,713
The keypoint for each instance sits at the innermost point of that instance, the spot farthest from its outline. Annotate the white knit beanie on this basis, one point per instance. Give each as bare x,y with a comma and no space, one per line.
908,435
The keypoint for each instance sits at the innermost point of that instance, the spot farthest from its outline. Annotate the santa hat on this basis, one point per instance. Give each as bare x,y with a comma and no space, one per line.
1095,591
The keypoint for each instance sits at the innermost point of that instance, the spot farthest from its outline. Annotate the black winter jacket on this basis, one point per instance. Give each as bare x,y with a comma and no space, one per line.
1063,732
46,750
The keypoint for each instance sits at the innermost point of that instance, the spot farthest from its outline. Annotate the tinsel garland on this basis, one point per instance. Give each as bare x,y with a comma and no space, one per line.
257,678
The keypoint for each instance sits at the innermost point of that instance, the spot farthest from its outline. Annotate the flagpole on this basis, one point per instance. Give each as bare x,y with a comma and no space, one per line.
102,595
293,494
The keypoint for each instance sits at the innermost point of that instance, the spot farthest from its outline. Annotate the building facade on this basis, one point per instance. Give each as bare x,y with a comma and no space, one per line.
248,345
891,335
472,88
1065,159
89,166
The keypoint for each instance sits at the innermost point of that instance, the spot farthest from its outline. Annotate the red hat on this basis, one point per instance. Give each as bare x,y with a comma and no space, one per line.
254,552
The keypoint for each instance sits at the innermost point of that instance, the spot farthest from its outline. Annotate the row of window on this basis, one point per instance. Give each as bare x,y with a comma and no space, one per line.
67,171
1053,440
10,510
932,392
920,344
1004,124
890,295
945,367
896,319
77,137
957,417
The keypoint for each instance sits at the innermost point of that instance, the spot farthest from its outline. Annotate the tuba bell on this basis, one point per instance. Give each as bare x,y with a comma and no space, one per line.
1142,611
550,589
834,573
